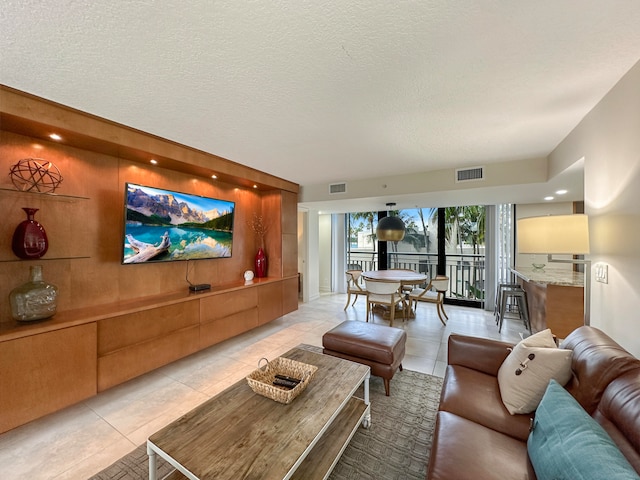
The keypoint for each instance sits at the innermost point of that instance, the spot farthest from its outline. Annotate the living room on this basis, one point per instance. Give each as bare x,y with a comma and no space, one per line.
604,138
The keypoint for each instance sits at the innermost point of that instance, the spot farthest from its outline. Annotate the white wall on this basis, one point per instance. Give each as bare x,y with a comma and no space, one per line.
338,253
308,262
303,253
609,140
324,253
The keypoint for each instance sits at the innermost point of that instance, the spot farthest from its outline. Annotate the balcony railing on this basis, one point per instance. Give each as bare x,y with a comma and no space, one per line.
466,272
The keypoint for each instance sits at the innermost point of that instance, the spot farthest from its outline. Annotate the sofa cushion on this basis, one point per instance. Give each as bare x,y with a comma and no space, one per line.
566,443
464,450
476,396
525,373
482,354
597,360
619,414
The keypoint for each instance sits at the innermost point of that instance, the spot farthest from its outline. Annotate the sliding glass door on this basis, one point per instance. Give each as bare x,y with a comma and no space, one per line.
438,241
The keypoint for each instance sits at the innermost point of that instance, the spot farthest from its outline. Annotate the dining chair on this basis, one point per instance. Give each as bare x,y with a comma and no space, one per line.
404,288
432,293
354,286
386,293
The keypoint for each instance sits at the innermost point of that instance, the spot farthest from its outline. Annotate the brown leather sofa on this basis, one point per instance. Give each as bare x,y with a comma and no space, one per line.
475,436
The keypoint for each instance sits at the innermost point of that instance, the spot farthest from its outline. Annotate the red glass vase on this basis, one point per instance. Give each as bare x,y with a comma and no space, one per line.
261,263
29,238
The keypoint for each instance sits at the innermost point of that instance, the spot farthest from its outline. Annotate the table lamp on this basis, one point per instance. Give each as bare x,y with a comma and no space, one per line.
558,235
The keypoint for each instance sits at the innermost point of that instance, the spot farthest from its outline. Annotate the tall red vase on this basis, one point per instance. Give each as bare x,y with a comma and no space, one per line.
261,263
29,238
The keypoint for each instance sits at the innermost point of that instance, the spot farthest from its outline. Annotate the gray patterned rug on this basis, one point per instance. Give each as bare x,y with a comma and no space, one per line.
396,446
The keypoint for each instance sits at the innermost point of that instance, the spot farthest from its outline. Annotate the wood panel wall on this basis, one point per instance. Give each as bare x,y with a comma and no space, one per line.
116,321
86,233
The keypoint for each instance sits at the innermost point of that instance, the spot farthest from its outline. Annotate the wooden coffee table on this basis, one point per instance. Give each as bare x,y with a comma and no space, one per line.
239,434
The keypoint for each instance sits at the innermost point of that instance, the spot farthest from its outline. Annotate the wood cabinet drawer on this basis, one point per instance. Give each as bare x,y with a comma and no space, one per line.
126,330
40,374
226,304
289,295
270,301
227,327
130,362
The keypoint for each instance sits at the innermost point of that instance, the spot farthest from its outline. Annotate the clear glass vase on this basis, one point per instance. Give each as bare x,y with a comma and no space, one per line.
35,300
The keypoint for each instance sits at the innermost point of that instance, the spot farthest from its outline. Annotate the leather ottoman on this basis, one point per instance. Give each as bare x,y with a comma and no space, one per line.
378,346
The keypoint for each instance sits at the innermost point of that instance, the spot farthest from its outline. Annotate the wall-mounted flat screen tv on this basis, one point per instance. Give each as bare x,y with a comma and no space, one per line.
165,226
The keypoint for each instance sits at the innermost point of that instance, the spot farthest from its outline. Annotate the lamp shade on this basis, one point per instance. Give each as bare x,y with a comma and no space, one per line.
390,229
554,234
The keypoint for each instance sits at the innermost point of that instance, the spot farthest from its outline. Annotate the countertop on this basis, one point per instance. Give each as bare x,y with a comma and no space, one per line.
550,276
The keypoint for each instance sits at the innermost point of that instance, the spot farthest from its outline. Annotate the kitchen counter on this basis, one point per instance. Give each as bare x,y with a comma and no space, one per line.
550,276
555,297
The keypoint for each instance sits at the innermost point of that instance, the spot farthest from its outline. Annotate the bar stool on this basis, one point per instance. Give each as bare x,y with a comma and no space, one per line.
520,296
498,303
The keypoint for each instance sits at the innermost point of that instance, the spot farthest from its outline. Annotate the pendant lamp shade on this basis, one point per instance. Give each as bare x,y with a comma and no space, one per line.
390,229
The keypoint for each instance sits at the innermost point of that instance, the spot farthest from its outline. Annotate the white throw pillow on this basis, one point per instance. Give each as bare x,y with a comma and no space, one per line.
526,372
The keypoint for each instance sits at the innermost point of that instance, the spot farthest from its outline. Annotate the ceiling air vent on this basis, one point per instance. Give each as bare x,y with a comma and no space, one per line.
469,174
337,188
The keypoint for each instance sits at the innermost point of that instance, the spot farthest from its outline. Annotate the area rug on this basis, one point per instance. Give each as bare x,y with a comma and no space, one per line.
396,446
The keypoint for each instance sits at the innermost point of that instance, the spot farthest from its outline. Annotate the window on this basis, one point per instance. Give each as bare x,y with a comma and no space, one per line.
462,246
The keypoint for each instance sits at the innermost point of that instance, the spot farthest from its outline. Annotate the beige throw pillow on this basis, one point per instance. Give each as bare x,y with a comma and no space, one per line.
526,372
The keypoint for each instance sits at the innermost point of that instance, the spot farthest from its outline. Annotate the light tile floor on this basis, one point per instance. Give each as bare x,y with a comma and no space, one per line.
81,440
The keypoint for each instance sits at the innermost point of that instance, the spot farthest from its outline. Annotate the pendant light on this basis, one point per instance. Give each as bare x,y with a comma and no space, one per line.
390,228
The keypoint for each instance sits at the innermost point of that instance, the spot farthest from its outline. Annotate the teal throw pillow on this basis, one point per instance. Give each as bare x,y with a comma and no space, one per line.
566,443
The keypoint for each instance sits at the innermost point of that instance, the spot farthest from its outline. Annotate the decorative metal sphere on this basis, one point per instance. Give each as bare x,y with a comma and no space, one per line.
35,175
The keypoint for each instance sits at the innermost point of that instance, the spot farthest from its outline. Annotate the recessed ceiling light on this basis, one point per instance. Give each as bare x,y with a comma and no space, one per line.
55,136
153,161
255,186
561,192
214,176
548,198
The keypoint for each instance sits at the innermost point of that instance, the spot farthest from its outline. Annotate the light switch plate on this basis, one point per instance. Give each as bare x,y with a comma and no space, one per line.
602,272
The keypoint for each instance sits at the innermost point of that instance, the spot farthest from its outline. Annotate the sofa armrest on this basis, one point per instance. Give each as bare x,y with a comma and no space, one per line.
481,354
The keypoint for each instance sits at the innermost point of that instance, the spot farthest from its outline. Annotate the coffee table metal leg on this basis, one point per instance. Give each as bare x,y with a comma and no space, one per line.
152,463
366,422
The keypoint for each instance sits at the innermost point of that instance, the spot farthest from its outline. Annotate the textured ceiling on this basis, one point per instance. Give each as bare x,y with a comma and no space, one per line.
326,91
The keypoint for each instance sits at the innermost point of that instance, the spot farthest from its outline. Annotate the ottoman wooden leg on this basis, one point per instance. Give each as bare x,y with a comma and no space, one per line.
386,386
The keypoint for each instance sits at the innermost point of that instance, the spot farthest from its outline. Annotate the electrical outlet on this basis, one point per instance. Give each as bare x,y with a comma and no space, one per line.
602,272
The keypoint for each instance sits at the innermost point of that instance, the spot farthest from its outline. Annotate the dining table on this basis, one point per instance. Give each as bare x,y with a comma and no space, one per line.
405,277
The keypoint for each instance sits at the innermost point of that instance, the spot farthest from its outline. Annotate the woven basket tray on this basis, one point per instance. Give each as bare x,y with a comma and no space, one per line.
261,380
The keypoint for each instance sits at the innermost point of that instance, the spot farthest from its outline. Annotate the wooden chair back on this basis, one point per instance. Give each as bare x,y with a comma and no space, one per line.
353,280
